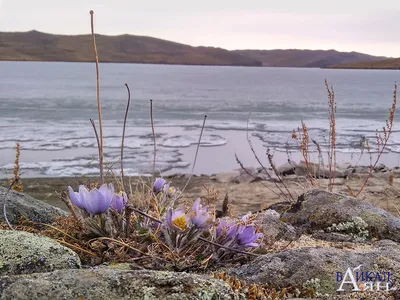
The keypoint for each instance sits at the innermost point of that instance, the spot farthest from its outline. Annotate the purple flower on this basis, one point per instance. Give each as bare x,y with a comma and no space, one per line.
226,230
168,190
177,219
76,197
119,201
158,185
247,236
96,201
201,216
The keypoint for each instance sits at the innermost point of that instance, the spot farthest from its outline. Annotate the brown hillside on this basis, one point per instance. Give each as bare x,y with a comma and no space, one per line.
391,64
38,46
306,58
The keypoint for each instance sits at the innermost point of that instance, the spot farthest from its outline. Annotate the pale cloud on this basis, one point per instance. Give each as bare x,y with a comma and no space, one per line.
363,26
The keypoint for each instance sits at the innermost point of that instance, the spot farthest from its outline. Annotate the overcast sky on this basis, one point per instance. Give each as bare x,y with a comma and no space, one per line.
367,26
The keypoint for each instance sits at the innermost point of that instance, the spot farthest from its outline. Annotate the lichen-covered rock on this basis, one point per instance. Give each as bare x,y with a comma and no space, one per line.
19,204
322,210
274,229
299,267
25,253
107,283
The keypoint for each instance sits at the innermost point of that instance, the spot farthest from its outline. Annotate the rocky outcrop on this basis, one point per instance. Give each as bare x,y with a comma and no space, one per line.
19,204
109,283
321,210
321,171
25,253
303,266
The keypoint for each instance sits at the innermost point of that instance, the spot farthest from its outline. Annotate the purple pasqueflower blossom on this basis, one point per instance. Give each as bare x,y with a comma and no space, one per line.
169,190
247,236
201,218
95,201
177,219
118,201
226,230
158,185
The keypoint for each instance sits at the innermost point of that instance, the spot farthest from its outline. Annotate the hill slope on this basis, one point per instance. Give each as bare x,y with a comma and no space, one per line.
391,64
38,46
306,58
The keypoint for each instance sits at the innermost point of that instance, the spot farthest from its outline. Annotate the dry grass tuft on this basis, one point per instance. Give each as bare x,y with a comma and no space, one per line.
16,182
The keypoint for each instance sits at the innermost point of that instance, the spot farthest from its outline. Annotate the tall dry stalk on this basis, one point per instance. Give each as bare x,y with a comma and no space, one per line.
382,140
195,156
303,140
332,135
289,197
154,139
101,153
123,133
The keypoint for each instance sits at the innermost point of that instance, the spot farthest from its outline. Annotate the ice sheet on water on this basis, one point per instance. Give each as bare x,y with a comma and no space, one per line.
137,161
180,141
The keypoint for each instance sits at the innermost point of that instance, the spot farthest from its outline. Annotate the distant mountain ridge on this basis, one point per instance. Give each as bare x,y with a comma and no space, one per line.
385,64
38,46
307,58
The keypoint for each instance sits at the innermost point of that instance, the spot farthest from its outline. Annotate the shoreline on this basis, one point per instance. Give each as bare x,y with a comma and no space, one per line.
201,65
171,160
245,193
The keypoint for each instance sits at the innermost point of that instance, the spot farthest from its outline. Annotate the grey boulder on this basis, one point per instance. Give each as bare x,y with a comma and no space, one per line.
321,210
302,266
20,204
109,283
25,253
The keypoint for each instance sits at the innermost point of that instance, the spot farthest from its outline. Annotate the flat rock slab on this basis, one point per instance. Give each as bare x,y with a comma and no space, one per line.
19,204
318,210
108,283
295,267
25,253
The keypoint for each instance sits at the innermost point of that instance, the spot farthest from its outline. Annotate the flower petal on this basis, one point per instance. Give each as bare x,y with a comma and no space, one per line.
107,191
158,185
169,217
200,220
111,187
95,202
252,245
196,205
117,202
247,235
74,197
